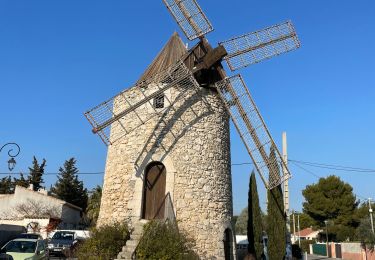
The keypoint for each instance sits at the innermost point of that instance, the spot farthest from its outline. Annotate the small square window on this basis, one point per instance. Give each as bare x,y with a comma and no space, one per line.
159,101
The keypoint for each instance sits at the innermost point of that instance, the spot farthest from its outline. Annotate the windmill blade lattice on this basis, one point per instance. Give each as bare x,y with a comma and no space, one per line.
117,112
189,17
253,131
257,46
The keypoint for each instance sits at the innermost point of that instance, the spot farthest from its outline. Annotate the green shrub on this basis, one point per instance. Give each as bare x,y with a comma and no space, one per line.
305,245
296,251
163,241
104,243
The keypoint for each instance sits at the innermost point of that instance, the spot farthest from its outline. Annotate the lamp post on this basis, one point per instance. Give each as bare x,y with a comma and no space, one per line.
326,222
12,154
370,211
299,232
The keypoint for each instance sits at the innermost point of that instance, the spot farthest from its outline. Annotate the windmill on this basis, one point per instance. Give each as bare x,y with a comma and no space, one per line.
201,68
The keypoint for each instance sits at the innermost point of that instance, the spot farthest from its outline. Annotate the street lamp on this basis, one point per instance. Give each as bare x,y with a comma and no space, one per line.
326,222
11,162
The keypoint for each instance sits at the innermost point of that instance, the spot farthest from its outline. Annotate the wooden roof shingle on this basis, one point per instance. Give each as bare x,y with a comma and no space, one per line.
172,51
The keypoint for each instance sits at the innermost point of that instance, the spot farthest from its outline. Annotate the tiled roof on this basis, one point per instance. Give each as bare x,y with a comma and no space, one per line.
305,232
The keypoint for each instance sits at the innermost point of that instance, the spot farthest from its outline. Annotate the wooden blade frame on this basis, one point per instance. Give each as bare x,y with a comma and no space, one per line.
253,131
189,17
257,46
114,112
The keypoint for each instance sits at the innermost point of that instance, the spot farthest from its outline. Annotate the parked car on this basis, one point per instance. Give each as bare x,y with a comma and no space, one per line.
62,243
24,248
30,235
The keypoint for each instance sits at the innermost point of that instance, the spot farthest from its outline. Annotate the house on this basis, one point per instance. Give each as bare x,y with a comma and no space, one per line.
37,211
242,244
305,234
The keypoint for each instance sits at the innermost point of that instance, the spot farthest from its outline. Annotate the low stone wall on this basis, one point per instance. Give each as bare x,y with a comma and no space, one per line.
350,251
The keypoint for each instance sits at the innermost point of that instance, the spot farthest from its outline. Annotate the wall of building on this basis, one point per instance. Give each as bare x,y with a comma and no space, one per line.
9,231
192,141
69,215
356,252
23,196
352,251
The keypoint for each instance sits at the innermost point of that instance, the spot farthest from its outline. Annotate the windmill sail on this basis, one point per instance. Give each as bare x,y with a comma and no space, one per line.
257,46
189,17
117,111
253,131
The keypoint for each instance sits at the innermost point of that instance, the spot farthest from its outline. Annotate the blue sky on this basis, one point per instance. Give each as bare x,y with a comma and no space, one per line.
60,58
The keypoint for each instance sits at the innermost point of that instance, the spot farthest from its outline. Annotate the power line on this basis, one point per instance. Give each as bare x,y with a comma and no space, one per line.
53,173
310,172
322,166
335,167
295,162
244,163
317,176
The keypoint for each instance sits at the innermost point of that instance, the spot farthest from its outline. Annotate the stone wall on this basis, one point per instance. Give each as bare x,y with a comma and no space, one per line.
191,139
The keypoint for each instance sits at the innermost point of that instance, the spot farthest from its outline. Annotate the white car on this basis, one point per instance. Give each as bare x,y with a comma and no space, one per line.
24,249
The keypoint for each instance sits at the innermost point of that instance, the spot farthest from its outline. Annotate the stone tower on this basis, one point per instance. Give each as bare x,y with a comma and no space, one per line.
183,155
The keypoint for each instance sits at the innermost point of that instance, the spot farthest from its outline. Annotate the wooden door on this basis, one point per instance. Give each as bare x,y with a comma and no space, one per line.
154,192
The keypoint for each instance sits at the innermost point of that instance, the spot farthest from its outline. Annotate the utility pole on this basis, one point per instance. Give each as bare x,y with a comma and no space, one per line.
370,211
286,182
326,222
299,233
286,198
294,228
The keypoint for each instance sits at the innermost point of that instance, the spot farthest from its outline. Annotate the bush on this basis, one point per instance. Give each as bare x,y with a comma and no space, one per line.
163,241
296,251
105,242
305,245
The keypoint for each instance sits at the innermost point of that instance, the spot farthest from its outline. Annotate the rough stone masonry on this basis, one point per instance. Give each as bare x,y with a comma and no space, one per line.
191,139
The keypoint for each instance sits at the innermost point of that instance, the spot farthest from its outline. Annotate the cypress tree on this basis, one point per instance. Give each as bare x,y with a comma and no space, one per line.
276,229
36,174
254,224
68,187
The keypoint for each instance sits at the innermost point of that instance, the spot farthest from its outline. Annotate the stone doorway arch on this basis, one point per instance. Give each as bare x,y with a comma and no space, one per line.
154,191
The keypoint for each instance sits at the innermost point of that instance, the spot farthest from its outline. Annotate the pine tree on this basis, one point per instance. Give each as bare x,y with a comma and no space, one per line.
22,181
68,187
332,199
6,185
36,174
254,224
93,206
276,229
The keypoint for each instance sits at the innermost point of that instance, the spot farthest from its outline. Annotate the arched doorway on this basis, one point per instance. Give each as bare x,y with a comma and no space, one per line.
228,244
154,191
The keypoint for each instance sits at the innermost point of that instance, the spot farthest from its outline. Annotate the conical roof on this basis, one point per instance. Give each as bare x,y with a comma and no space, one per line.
173,51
